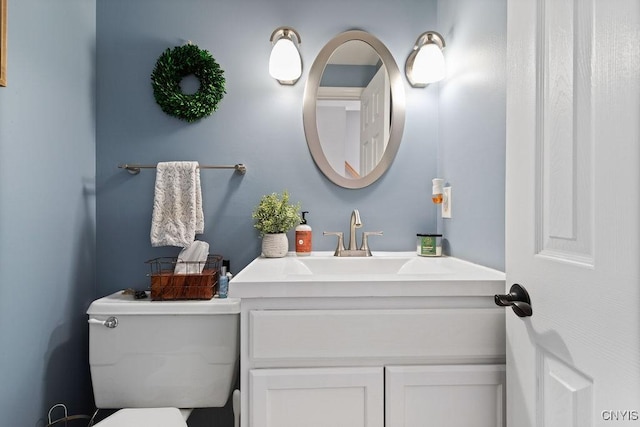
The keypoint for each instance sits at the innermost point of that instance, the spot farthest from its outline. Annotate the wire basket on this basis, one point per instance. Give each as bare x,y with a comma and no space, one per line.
174,279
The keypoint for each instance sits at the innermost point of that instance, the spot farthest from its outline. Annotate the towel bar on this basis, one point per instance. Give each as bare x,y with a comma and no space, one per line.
135,169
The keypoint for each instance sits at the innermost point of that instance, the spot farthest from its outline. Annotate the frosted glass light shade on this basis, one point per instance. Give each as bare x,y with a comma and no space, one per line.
425,63
429,65
285,64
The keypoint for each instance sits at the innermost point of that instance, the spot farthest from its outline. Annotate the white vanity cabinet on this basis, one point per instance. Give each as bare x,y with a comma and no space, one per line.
429,353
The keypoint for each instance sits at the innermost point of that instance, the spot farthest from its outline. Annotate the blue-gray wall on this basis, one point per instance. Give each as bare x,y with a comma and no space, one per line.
47,209
55,238
472,126
259,123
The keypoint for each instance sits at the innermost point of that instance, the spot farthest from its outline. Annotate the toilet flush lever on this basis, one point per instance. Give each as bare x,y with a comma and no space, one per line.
110,323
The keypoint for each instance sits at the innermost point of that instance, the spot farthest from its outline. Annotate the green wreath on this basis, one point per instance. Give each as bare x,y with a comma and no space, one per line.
175,64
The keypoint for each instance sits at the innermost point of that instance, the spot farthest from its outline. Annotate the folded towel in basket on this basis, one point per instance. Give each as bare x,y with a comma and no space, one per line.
177,205
192,260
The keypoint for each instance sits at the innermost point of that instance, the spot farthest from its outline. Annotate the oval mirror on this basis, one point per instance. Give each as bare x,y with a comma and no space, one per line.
354,109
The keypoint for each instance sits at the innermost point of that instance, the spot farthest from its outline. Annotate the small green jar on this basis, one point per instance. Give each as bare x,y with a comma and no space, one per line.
429,244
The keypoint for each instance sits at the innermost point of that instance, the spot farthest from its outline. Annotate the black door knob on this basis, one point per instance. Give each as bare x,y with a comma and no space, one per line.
518,299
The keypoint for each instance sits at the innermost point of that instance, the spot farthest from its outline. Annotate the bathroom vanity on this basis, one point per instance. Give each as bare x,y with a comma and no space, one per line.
389,340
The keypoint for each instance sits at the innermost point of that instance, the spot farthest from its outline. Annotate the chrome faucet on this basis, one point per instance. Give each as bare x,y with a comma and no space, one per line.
355,222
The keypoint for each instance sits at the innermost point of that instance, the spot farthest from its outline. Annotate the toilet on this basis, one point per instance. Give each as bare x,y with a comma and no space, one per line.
156,360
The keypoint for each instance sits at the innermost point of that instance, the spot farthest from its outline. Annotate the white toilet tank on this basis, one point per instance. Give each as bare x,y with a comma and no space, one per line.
181,354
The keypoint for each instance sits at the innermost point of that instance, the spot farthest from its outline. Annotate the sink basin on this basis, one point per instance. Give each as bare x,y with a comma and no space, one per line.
371,266
385,273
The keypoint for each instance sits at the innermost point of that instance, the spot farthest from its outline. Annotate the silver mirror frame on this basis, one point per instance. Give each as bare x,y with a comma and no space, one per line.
398,108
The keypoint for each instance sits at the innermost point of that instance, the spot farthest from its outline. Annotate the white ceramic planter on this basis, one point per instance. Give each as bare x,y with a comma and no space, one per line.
275,245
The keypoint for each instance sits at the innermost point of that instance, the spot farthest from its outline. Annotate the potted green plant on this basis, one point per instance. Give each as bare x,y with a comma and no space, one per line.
273,217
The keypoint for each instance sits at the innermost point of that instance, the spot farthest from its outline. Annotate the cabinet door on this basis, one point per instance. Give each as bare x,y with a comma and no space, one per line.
336,397
445,396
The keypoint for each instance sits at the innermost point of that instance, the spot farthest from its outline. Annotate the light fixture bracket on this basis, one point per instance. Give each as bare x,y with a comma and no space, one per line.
429,37
285,32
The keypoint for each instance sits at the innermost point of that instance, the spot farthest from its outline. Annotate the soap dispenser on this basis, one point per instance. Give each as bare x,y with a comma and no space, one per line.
303,237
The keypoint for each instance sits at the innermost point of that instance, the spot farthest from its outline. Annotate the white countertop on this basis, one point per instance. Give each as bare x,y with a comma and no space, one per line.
386,274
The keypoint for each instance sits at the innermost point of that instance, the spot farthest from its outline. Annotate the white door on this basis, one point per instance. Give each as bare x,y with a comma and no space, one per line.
573,199
375,120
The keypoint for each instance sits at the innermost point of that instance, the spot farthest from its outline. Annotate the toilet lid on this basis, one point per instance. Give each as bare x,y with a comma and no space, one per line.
144,417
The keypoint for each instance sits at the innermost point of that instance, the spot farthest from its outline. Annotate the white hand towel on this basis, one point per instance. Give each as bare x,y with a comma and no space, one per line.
192,259
177,205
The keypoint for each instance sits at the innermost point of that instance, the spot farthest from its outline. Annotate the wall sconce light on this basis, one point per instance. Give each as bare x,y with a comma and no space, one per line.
285,64
425,64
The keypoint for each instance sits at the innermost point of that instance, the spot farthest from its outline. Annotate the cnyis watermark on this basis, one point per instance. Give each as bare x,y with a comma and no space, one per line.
620,415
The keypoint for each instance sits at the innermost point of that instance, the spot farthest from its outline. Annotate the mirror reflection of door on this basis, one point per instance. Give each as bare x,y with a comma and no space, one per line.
353,109
375,120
